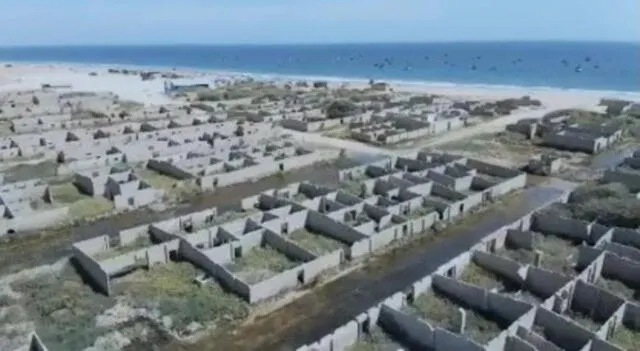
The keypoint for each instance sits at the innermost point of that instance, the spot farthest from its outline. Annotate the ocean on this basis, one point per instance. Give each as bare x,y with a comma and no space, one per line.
567,65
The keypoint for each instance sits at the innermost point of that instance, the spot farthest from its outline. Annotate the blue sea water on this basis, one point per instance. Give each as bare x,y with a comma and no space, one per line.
571,65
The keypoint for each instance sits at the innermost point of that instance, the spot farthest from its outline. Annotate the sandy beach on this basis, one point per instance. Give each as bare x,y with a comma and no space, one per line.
96,78
20,76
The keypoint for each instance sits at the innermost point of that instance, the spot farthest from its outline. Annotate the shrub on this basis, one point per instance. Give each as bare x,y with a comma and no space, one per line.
209,96
339,109
202,107
596,192
610,204
320,84
35,100
421,99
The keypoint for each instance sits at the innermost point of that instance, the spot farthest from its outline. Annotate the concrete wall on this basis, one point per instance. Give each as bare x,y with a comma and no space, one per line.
270,287
36,344
594,302
481,300
627,237
619,268
536,340
407,327
493,170
544,283
622,251
225,277
339,231
561,331
501,266
629,179
570,228
515,343
92,269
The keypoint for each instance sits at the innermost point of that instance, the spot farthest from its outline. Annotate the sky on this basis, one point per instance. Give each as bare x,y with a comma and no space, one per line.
153,22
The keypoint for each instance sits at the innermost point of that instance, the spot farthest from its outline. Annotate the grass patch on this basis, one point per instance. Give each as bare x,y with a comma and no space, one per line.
558,254
611,204
444,312
260,263
170,289
376,340
66,193
90,207
157,180
619,288
63,309
439,310
230,216
352,186
315,243
627,338
584,320
6,301
481,277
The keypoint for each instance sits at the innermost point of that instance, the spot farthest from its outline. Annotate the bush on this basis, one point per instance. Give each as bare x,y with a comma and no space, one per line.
610,204
597,192
35,100
320,84
209,96
611,212
422,99
202,107
340,109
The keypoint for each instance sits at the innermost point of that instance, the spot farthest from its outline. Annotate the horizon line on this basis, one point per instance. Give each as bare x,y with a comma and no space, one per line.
356,43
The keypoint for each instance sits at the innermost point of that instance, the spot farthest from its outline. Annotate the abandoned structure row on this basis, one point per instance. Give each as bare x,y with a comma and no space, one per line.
543,282
556,131
307,228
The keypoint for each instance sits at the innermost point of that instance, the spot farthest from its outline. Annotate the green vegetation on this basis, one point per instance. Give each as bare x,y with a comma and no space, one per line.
90,207
6,300
157,180
439,310
376,340
175,190
619,288
63,308
260,263
610,204
66,193
445,313
170,289
627,338
479,276
339,109
315,243
353,186
259,91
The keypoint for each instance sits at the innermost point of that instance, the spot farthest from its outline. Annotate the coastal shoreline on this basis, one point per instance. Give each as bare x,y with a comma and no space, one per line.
12,73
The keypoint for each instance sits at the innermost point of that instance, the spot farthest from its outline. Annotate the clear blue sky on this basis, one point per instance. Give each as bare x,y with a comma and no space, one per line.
53,22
